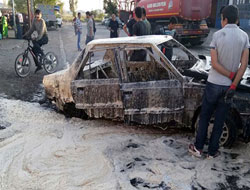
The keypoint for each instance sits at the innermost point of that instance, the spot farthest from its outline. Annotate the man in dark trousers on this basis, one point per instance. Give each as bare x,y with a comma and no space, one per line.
39,26
113,27
92,16
229,59
139,29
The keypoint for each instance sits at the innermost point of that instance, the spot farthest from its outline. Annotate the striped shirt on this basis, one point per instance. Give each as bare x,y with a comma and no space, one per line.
79,25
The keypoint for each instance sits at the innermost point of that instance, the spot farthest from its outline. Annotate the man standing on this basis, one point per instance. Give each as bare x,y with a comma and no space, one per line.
171,31
139,29
5,26
74,24
94,28
145,20
168,50
79,31
90,28
39,26
229,59
113,27
128,28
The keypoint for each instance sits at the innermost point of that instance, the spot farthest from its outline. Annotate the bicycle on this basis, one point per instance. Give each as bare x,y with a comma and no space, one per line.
23,63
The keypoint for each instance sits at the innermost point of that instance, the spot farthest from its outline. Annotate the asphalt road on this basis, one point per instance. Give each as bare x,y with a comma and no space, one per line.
63,43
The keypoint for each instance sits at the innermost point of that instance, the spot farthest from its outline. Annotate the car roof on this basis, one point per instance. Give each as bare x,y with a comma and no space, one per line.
149,39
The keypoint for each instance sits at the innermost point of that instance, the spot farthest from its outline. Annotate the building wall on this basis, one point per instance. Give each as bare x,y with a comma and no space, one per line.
244,12
220,3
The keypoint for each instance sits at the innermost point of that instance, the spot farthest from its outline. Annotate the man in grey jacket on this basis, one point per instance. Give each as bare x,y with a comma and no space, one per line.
39,26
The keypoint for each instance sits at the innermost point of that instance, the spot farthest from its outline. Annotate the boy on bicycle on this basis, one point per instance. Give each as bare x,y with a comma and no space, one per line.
39,26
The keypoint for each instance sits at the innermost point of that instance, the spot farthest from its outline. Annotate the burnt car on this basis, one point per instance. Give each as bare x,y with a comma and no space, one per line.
155,89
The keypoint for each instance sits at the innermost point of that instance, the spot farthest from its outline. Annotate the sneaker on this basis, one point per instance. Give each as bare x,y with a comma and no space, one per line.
195,152
38,69
209,157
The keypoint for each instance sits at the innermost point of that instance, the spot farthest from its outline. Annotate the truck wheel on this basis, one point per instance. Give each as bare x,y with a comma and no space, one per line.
229,133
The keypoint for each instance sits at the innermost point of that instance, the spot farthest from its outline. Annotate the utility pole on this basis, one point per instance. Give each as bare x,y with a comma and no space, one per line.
14,15
29,14
32,8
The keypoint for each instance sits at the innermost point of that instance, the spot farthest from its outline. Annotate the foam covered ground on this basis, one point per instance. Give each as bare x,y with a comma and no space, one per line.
41,149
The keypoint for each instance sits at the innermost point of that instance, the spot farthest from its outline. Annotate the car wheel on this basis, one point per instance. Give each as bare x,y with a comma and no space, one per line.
229,133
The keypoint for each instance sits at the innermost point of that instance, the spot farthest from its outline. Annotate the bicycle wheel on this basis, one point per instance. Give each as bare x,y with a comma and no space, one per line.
50,62
22,65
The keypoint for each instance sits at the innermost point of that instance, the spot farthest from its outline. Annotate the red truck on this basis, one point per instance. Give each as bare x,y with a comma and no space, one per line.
190,17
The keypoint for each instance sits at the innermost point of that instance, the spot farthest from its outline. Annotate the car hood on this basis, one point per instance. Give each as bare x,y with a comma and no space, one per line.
58,85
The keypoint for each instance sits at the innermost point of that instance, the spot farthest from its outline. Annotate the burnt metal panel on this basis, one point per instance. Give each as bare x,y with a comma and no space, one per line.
193,93
98,97
153,102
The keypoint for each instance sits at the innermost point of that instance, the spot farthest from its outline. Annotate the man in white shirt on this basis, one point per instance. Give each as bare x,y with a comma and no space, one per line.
229,60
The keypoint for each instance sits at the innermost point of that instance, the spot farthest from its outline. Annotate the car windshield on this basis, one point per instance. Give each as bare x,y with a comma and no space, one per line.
177,55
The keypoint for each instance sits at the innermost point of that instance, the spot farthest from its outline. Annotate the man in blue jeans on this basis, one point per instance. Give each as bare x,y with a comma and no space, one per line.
229,59
79,31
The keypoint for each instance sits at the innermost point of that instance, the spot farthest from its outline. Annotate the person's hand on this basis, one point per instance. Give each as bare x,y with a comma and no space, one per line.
232,76
230,94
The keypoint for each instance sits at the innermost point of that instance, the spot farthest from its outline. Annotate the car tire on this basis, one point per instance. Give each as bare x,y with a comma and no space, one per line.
229,134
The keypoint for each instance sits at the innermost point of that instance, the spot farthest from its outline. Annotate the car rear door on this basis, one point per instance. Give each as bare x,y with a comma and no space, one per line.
96,90
153,102
152,94
100,98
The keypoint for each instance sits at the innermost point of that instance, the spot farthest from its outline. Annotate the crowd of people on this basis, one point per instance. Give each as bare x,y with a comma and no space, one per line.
137,25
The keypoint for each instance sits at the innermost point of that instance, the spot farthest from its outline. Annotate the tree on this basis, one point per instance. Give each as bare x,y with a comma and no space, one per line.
98,14
21,5
110,7
73,6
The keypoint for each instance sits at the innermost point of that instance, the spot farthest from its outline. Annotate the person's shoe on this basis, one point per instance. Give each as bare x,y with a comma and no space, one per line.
38,69
209,157
195,152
